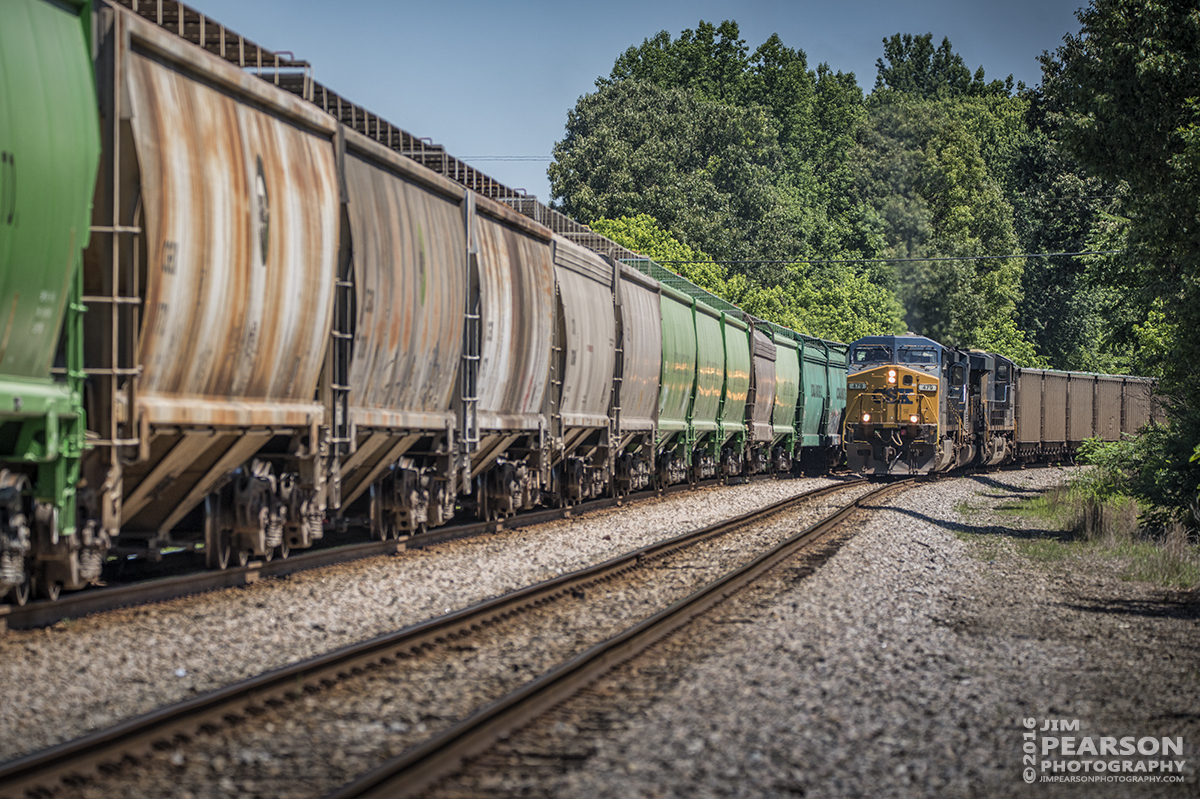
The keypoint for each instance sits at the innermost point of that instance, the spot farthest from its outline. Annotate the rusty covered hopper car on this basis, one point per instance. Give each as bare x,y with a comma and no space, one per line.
211,294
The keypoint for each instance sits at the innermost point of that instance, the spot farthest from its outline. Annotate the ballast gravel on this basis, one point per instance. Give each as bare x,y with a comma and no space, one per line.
918,661
360,720
91,673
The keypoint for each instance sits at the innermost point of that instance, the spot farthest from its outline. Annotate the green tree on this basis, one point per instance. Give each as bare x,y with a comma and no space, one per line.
710,60
921,168
826,300
755,160
708,172
642,235
911,65
1124,95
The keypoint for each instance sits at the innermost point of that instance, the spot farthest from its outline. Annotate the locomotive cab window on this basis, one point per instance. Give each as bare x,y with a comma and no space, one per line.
925,357
958,375
871,355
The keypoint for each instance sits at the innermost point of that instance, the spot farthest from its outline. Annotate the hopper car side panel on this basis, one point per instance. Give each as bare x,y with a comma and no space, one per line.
837,366
736,334
762,387
517,292
1029,410
1081,390
710,370
241,239
638,308
49,149
589,356
678,362
787,388
228,202
406,241
641,345
1108,408
408,245
815,383
1139,402
586,367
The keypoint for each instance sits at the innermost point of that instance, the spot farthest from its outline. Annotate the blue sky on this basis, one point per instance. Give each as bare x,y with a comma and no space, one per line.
496,79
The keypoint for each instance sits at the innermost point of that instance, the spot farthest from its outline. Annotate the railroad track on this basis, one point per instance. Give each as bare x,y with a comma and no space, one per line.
101,599
178,723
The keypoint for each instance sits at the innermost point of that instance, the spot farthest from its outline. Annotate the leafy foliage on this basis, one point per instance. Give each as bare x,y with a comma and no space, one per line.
911,66
1123,97
829,301
1146,468
643,235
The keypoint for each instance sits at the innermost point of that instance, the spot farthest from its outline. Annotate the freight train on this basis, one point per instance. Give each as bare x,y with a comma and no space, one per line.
289,312
915,407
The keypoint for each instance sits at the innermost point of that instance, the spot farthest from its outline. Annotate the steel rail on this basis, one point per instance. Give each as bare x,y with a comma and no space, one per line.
418,768
75,605
140,734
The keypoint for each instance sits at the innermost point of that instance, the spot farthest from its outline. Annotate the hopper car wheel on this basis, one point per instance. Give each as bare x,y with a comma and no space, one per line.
218,538
268,555
222,552
45,588
284,549
383,529
19,594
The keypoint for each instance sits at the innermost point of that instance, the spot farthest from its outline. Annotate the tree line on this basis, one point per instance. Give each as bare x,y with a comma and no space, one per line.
936,202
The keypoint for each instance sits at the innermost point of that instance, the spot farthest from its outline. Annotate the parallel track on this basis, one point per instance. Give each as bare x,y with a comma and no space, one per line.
138,736
98,600
443,754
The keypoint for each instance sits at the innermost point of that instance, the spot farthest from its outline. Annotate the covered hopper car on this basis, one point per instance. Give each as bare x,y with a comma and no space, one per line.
281,320
49,147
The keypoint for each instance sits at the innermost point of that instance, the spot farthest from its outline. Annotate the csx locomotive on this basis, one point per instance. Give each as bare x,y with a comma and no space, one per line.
915,406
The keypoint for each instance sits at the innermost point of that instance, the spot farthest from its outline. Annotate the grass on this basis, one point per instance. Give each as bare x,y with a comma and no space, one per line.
1108,527
965,510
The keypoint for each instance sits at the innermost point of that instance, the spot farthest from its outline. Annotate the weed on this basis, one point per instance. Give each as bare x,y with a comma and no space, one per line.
1106,523
1044,550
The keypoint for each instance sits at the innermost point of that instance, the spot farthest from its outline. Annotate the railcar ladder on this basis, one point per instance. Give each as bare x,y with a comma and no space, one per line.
619,362
343,352
472,342
557,377
112,361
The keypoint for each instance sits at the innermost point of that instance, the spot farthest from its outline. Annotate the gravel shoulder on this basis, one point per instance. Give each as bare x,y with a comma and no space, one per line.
905,666
86,674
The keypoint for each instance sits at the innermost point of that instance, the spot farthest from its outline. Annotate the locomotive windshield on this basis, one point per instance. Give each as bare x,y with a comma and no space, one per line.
871,354
924,357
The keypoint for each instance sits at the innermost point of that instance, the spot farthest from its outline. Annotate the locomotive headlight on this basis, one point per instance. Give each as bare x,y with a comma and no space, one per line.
866,418
891,375
914,418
